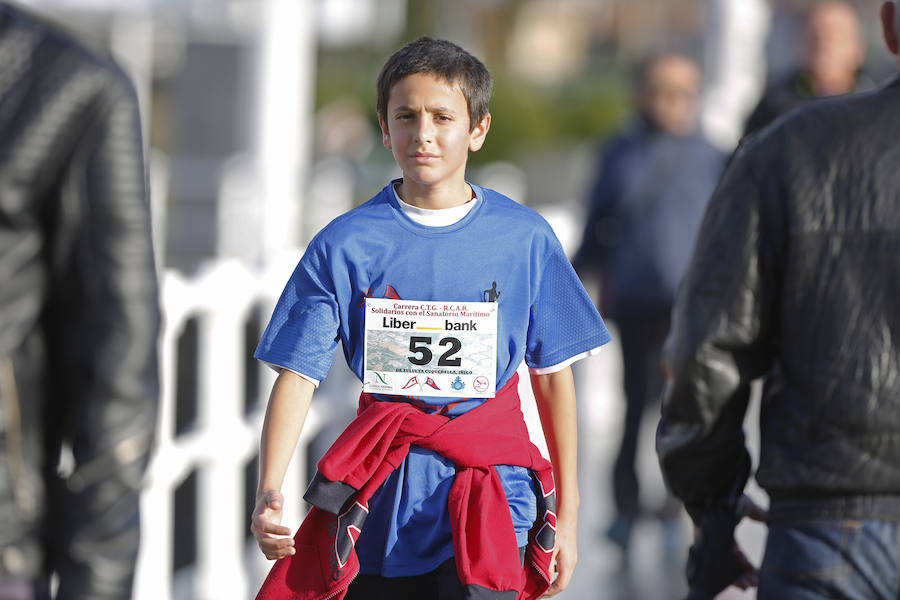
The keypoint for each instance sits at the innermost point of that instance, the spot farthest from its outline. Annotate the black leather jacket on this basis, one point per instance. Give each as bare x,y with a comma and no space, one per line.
796,278
78,314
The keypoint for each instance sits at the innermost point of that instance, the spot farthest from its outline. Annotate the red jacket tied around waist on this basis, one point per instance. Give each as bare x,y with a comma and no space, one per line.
372,446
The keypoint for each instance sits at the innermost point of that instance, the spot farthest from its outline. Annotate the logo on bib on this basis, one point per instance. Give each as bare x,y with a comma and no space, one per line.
414,381
378,382
492,294
458,383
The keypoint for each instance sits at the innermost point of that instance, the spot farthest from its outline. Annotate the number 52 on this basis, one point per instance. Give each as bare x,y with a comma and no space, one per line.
419,345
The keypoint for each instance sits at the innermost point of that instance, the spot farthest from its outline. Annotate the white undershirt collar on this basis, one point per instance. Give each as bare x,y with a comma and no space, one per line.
435,217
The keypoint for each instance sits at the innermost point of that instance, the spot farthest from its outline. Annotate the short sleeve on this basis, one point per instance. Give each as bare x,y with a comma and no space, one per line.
563,321
302,334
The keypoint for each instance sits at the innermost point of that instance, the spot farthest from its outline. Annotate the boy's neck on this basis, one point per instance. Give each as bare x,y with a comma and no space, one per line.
435,197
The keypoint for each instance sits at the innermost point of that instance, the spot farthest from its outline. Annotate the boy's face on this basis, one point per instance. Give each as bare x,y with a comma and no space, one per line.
428,132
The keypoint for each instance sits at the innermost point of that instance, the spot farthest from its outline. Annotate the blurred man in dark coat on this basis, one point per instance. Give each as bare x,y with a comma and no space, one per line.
654,180
834,51
78,317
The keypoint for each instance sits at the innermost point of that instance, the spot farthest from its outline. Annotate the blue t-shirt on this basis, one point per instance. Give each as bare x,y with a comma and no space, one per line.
500,251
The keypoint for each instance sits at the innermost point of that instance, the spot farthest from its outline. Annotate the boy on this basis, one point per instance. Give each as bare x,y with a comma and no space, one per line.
438,289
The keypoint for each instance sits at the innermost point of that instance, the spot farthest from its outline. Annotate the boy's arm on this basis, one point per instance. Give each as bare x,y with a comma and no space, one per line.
555,395
288,404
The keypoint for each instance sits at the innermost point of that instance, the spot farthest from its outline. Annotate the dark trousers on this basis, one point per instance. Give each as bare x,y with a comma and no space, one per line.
441,584
641,338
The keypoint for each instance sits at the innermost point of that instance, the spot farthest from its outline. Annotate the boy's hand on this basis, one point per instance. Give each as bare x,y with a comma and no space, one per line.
565,555
267,529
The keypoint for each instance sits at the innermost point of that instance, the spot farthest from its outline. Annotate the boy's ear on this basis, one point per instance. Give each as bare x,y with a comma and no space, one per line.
479,132
385,136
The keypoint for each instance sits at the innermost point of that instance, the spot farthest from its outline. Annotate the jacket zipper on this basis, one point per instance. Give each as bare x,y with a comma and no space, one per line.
340,590
9,395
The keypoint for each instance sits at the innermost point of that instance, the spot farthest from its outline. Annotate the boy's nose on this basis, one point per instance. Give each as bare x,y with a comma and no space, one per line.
425,130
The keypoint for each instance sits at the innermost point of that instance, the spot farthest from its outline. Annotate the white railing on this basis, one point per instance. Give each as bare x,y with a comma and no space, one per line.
218,444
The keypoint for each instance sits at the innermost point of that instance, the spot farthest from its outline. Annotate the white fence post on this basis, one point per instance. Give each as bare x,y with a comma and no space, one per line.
220,491
218,446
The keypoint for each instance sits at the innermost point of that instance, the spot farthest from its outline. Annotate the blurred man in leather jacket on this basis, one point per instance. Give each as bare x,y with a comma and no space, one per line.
78,317
795,278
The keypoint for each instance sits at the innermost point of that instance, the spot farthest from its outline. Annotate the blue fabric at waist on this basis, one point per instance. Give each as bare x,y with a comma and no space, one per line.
408,528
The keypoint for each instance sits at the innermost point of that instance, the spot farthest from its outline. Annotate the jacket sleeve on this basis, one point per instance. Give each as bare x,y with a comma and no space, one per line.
595,239
722,336
104,347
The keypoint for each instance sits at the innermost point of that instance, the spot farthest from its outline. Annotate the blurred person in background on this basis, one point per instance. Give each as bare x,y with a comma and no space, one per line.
78,317
834,52
654,180
795,279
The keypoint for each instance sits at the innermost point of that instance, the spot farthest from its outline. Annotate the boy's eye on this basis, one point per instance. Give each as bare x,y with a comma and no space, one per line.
444,118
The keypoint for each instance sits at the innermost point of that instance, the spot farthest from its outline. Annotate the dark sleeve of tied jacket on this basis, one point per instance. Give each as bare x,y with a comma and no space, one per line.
86,347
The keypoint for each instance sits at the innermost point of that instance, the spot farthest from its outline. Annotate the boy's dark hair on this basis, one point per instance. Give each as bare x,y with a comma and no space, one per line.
444,60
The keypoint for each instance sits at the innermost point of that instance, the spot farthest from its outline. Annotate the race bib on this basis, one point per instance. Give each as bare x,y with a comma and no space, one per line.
418,348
